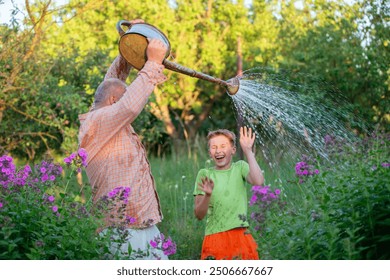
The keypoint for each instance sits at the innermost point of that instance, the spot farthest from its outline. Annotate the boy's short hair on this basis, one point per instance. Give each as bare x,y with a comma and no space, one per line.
227,133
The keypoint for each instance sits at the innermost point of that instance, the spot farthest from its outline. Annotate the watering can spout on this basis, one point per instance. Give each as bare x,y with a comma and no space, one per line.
233,85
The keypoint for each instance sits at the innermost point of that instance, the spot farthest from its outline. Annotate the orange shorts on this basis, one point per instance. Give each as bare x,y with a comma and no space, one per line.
234,244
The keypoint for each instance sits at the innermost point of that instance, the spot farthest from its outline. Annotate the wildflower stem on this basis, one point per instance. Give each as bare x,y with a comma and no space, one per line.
67,183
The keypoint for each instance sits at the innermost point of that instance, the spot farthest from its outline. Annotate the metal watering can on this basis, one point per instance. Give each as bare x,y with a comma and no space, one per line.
133,44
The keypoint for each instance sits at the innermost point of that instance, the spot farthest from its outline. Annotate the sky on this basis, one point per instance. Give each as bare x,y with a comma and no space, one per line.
6,8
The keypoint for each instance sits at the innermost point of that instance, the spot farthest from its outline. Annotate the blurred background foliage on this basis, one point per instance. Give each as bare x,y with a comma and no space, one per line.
53,56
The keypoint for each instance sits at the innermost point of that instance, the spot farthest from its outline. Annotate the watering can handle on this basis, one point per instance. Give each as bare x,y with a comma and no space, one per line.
119,26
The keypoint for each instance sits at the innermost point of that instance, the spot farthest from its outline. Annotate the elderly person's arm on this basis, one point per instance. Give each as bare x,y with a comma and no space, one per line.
119,69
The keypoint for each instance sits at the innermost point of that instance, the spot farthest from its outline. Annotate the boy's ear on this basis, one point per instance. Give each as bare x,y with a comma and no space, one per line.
234,150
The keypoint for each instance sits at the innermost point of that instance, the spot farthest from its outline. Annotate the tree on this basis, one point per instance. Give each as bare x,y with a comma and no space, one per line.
38,108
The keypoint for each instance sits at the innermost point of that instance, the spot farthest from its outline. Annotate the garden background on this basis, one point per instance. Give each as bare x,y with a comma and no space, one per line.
53,56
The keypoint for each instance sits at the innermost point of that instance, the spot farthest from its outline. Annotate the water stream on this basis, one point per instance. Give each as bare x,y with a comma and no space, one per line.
286,118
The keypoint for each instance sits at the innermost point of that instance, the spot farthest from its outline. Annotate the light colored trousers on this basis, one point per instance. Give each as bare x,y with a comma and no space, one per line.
139,240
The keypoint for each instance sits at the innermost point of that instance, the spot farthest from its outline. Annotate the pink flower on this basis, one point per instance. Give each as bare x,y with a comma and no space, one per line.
54,208
51,198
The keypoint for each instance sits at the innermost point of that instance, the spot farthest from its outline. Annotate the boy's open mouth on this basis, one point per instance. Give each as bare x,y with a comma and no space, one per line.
219,157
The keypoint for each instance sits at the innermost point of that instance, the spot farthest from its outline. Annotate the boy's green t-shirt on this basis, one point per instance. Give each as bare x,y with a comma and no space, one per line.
228,203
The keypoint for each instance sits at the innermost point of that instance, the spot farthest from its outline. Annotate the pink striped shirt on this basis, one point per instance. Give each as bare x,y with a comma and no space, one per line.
116,156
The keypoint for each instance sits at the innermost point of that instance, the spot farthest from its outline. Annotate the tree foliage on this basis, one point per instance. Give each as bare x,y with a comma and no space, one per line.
54,58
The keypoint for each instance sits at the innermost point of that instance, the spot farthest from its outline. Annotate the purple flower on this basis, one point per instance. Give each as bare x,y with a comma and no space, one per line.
27,169
51,198
44,178
54,208
153,243
122,193
263,200
1,205
165,244
77,159
264,190
305,168
131,220
253,200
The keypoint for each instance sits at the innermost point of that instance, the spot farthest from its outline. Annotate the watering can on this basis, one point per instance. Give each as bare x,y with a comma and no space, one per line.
133,44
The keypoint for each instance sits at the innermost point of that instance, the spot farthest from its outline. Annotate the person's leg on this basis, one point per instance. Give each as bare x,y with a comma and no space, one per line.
139,241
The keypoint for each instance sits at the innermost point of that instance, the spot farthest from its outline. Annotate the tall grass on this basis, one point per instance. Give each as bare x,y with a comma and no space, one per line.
340,213
175,177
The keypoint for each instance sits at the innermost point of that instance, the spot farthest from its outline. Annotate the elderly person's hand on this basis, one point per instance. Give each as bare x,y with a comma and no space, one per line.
138,20
156,50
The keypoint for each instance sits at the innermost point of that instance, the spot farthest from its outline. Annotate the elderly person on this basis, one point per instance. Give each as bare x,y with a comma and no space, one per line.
116,157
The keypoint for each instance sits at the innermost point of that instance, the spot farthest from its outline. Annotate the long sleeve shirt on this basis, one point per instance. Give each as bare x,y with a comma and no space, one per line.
116,156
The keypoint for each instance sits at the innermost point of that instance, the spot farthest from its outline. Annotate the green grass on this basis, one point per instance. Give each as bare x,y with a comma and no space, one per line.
341,213
175,178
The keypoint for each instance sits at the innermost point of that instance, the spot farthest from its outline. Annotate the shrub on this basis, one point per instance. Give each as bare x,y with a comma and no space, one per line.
41,219
335,209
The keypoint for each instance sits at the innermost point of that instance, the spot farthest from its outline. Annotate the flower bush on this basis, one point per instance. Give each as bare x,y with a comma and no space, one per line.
339,212
306,168
41,218
39,221
262,202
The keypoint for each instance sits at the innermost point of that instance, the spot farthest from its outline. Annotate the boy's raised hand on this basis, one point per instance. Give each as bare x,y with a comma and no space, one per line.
206,185
247,139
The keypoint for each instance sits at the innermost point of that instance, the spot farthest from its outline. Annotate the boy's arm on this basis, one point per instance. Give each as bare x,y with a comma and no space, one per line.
206,185
201,206
247,140
255,175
